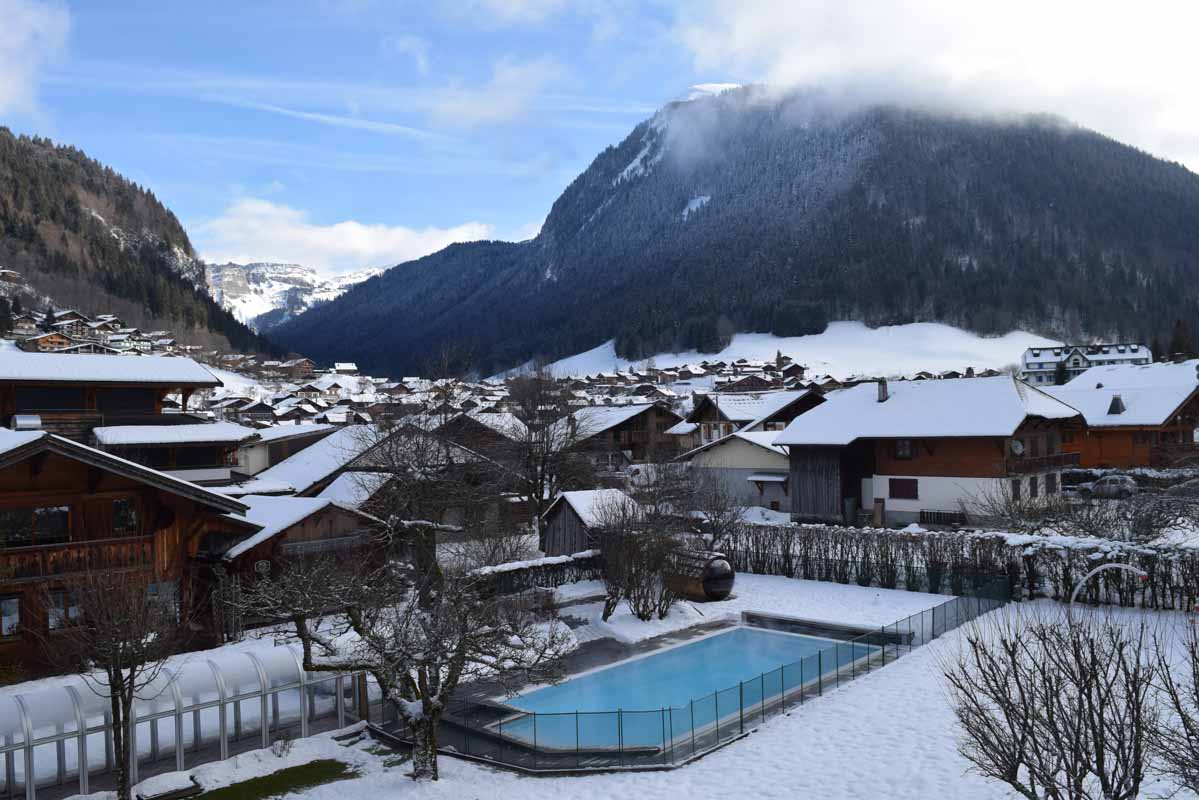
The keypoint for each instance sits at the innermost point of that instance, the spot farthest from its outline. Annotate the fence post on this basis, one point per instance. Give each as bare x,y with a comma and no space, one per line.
762,696
670,713
662,720
620,735
576,738
693,727
741,705
820,672
534,740
802,689
883,630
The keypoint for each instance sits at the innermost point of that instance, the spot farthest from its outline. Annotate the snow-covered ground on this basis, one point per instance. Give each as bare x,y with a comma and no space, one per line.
811,600
845,349
889,734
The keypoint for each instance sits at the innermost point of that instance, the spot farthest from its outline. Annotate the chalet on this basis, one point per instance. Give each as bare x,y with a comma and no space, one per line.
746,383
755,470
72,394
1137,416
314,467
574,518
925,451
1041,365
792,370
25,324
618,435
46,342
67,315
277,443
255,411
204,453
89,348
288,527
490,433
299,368
359,490
719,415
345,368
67,509
75,328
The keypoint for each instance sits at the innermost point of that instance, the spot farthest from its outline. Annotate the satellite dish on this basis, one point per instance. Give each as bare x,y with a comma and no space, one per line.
262,567
1017,447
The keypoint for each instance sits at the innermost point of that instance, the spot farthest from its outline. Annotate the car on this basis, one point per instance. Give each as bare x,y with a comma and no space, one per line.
1109,486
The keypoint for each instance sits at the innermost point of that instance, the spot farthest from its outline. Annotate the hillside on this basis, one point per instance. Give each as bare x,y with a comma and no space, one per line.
747,212
263,294
85,237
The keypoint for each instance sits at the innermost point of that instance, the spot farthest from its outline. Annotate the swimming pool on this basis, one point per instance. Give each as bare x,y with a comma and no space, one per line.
647,701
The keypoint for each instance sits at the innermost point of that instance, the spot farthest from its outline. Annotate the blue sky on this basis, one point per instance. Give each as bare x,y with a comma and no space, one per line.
362,132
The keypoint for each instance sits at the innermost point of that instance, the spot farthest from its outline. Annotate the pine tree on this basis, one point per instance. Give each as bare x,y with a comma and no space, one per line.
1155,349
1180,340
5,317
16,306
1059,374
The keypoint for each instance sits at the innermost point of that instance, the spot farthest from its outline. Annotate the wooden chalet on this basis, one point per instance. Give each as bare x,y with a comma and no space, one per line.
719,415
1137,415
925,451
67,509
616,436
72,394
46,342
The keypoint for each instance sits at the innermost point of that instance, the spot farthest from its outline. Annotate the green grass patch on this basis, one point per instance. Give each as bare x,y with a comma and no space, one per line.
285,781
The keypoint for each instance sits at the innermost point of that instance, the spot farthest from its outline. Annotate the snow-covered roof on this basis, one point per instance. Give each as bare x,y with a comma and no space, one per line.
682,428
502,422
590,504
352,489
763,439
215,433
1149,393
274,515
594,420
753,406
19,366
275,432
923,409
321,459
255,486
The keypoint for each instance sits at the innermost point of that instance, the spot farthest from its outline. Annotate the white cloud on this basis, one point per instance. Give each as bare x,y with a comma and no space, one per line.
252,229
414,47
507,95
31,34
516,11
1125,71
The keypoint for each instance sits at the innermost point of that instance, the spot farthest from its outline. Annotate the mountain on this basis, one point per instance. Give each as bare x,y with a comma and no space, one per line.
84,237
749,211
265,294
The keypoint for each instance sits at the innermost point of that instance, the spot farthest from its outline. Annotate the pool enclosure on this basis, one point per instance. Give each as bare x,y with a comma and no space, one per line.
200,708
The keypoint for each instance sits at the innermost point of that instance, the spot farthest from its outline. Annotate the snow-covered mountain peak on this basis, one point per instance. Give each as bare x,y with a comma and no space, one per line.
263,294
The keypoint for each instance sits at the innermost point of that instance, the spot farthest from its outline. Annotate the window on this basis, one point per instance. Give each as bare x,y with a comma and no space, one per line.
10,616
1015,488
124,517
1032,486
25,527
63,610
1051,483
774,505
903,448
903,489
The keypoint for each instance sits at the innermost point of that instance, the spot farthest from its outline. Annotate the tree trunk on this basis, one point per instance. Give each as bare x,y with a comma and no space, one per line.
120,745
424,748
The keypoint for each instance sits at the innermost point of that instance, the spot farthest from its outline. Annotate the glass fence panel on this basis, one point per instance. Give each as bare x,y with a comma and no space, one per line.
599,730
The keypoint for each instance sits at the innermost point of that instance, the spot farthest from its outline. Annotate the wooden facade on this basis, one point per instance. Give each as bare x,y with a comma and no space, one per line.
643,436
565,532
91,513
1126,447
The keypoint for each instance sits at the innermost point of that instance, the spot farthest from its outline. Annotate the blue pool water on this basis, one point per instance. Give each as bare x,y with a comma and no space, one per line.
696,684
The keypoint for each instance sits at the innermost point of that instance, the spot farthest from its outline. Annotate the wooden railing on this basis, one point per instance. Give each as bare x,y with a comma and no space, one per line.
24,564
1032,464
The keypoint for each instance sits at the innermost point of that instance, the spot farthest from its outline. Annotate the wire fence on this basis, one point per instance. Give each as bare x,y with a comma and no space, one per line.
669,736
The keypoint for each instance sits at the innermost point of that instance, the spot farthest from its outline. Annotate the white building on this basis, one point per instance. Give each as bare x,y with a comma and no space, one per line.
1039,364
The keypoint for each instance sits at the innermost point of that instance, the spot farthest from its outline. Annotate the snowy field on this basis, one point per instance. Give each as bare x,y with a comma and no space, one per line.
889,734
845,349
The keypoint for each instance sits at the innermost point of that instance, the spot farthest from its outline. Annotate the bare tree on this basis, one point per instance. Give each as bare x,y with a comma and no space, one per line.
544,432
117,634
719,504
1055,707
419,634
1175,740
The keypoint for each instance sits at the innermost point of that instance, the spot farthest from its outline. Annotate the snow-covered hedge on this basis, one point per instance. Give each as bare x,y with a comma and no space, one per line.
549,573
959,562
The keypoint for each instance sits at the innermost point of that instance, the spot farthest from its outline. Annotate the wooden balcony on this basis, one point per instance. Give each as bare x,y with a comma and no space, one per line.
29,564
1029,465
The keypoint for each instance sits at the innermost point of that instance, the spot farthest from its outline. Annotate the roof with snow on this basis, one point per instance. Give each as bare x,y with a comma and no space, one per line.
682,428
205,433
275,515
752,406
590,504
923,409
353,489
276,432
321,459
762,439
20,367
594,420
1150,394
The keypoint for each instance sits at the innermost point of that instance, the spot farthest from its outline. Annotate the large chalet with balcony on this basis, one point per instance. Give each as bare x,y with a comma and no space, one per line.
926,451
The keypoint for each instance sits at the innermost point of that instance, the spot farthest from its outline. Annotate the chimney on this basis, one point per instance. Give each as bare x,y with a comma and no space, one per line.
882,390
1117,406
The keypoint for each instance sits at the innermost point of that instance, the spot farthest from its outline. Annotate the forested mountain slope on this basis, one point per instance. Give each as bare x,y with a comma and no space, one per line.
751,211
86,237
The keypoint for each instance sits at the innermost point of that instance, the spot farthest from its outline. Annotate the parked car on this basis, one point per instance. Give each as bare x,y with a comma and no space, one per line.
1109,486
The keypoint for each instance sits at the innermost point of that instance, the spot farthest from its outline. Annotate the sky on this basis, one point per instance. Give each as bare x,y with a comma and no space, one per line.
362,133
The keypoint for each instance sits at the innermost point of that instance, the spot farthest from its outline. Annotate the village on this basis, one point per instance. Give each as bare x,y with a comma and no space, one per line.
197,477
